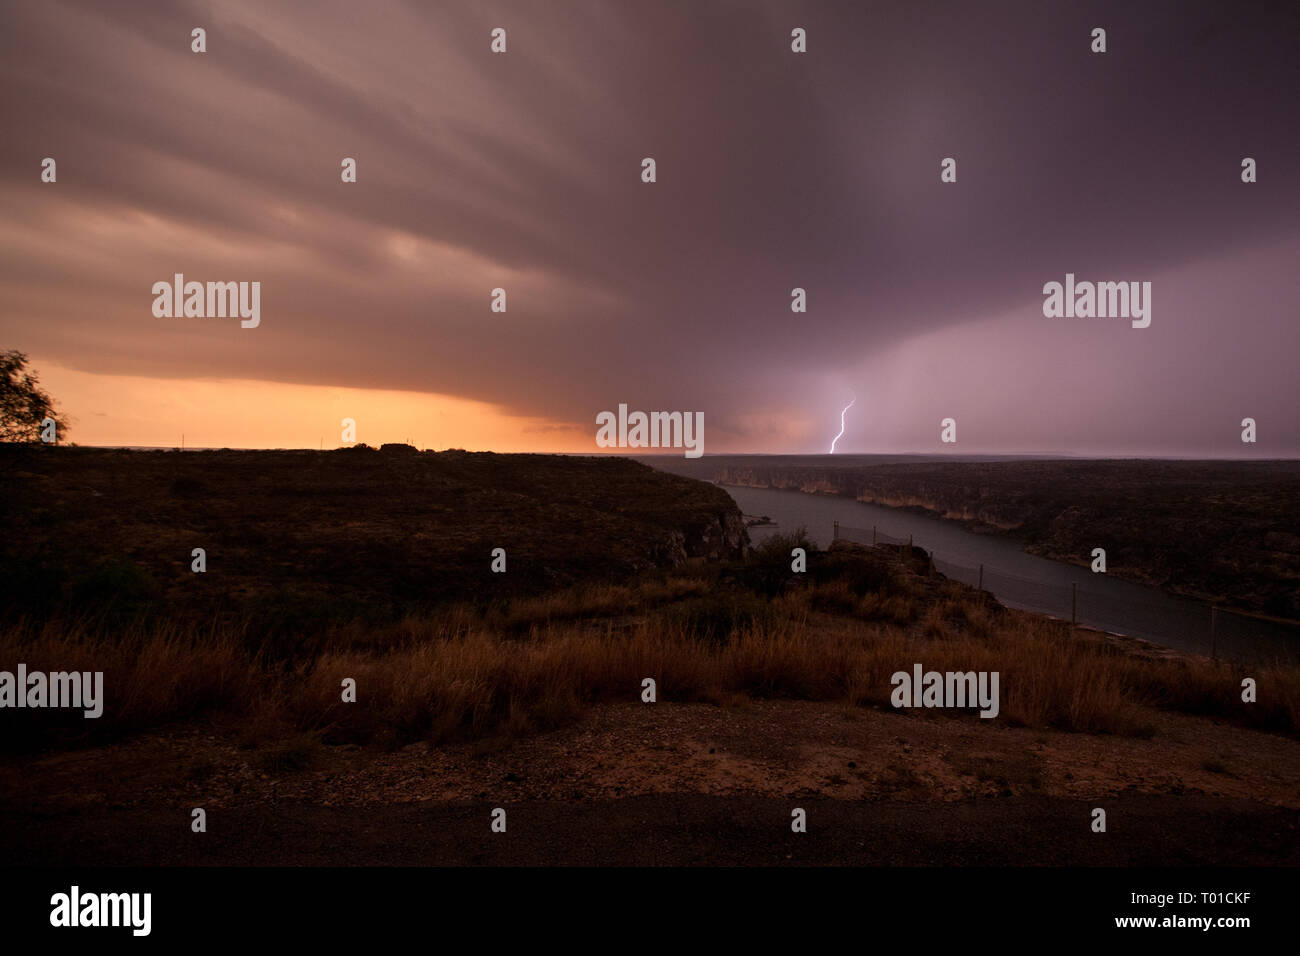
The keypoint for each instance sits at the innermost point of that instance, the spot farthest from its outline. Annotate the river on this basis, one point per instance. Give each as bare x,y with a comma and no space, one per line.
1024,581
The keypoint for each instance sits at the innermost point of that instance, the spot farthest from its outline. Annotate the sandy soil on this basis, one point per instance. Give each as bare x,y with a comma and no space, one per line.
676,783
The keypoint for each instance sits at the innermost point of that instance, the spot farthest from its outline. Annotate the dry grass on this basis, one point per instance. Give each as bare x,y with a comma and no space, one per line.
150,677
474,675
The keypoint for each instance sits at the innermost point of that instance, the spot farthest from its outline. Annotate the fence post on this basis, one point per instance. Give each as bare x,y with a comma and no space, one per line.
873,535
981,586
1074,603
1214,633
836,534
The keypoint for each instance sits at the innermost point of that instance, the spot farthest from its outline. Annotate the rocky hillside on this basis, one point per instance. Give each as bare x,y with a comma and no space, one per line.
305,535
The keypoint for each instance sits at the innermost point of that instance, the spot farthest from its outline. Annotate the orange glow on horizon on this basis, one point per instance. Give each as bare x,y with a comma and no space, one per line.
156,412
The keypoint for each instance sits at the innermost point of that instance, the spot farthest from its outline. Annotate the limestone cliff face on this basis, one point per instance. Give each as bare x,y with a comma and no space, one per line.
982,514
692,519
715,535
671,550
966,504
794,479
722,536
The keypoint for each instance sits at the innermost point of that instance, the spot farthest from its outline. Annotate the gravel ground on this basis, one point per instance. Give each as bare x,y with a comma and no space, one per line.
675,784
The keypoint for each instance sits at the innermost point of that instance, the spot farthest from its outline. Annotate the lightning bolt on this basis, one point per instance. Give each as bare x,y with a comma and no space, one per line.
841,434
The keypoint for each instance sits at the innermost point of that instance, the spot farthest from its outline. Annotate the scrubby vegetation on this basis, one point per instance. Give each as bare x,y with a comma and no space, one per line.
295,540
376,566
703,633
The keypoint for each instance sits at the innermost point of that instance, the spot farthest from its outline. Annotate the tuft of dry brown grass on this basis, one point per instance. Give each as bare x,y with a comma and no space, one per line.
489,675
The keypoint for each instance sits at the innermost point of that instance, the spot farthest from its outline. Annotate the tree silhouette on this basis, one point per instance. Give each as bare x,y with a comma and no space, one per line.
24,406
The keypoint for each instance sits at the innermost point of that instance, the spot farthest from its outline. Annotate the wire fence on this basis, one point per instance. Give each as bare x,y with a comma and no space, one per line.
1124,609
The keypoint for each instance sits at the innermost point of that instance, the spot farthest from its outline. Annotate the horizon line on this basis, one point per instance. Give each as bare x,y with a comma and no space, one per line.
675,455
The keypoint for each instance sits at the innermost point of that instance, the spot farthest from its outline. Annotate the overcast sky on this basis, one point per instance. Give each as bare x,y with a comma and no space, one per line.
775,170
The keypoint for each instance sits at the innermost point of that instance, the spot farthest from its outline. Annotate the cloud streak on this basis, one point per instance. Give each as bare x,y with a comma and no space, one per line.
776,170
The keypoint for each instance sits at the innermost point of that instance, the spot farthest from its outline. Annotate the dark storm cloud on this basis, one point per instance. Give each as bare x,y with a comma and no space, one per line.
775,170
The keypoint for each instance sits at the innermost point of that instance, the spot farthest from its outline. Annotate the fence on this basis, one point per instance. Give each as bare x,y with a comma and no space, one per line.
1125,609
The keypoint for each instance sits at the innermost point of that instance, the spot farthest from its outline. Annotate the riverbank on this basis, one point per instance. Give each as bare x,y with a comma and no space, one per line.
1221,532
